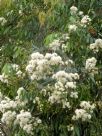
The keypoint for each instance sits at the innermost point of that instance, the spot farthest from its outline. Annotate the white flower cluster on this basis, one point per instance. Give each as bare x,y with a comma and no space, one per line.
16,68
64,37
90,64
80,13
75,23
24,120
38,102
12,115
8,117
81,114
37,121
70,127
7,104
85,20
85,113
20,12
96,46
65,85
8,108
3,21
72,28
69,63
74,95
55,44
87,106
4,78
19,100
58,43
73,10
39,66
57,97
63,76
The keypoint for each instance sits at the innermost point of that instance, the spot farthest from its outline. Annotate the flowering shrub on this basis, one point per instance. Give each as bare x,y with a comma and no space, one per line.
56,91
27,109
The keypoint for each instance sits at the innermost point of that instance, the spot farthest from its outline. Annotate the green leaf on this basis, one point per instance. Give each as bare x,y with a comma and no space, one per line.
77,131
7,69
50,38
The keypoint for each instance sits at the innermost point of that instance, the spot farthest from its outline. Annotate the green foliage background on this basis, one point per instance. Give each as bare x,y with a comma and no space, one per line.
39,22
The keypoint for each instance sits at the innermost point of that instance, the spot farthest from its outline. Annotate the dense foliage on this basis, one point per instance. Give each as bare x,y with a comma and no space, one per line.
51,67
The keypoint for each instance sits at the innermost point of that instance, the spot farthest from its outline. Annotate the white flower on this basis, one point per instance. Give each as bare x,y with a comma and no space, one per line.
19,102
66,104
74,95
55,45
4,78
70,127
37,100
94,47
33,76
69,62
36,55
73,9
65,36
87,106
39,121
19,73
28,128
60,76
8,117
98,42
90,63
81,114
23,117
80,13
63,77
2,21
7,104
44,92
55,97
59,86
24,120
40,66
20,12
71,85
85,20
64,47
72,28
64,85
48,56
55,60
97,45
29,68
15,67
20,91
